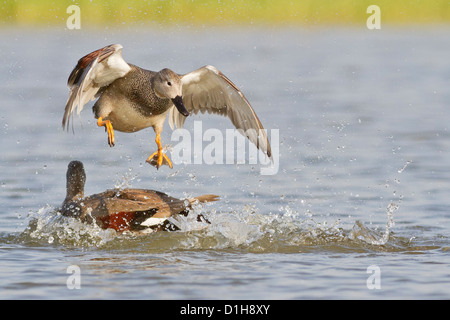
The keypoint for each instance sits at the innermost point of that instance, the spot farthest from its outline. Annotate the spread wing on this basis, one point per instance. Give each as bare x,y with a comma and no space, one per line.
94,71
209,90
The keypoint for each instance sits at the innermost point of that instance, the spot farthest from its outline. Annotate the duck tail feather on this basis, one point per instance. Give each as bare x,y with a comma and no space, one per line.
205,198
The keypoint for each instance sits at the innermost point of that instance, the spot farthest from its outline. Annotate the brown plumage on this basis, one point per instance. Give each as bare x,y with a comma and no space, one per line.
124,209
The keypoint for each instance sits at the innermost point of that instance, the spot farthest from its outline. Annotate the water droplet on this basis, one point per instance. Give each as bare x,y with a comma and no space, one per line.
404,166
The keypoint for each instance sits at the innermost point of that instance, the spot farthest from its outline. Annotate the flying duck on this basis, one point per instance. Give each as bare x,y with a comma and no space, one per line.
131,98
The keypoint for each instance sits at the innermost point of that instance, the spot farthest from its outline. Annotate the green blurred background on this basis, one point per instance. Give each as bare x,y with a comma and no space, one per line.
224,12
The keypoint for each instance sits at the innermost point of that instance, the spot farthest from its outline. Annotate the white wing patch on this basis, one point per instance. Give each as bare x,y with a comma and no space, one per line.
94,71
150,222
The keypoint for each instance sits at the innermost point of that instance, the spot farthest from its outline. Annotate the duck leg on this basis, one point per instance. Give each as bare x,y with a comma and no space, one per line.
159,158
108,128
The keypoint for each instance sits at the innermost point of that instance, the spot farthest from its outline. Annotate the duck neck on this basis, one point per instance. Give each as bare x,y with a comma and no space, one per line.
74,193
75,187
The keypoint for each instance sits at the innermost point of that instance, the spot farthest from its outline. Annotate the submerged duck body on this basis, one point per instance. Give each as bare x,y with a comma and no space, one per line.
124,209
131,98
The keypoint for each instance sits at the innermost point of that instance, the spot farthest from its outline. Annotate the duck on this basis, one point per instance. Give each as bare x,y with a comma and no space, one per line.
135,210
130,98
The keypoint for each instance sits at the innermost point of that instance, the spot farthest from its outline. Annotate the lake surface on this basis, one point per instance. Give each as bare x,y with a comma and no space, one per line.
358,208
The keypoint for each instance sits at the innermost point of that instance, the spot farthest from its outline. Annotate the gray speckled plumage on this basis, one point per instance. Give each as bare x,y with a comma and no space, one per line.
134,91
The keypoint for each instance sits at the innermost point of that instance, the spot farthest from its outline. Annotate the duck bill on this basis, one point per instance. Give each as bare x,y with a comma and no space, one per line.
178,102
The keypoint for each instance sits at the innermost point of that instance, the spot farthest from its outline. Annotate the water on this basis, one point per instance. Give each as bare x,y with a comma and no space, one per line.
363,177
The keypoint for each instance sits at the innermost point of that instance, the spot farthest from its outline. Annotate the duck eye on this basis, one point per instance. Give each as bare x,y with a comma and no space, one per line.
169,83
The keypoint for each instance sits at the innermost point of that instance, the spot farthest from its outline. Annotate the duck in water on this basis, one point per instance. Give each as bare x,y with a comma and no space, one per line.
125,209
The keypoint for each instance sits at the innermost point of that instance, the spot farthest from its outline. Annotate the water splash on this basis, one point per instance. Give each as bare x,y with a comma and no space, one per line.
363,233
246,229
126,180
48,226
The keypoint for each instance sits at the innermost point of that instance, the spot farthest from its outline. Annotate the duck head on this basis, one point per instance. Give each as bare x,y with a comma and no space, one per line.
167,85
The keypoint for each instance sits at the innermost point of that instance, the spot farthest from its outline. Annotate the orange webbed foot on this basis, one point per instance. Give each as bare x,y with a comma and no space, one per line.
159,158
108,128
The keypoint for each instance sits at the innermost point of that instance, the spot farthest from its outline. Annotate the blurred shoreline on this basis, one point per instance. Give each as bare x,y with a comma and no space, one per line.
223,12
